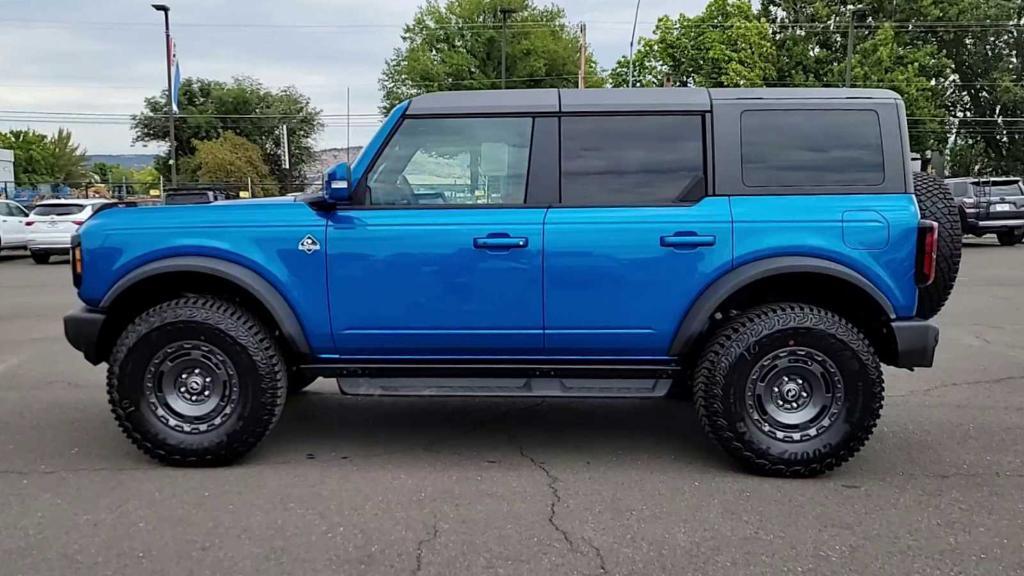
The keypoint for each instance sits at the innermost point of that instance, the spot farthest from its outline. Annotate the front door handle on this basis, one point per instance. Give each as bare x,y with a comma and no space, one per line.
503,242
687,240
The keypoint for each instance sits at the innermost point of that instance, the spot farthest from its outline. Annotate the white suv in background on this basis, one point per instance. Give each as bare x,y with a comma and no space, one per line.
52,223
13,233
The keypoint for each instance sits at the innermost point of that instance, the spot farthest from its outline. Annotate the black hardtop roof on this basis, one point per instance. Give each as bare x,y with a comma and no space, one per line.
553,101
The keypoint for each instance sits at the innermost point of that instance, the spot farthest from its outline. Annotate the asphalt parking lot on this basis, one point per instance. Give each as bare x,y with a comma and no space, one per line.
419,486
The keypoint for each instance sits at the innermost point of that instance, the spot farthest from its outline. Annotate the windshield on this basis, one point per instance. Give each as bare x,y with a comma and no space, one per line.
58,210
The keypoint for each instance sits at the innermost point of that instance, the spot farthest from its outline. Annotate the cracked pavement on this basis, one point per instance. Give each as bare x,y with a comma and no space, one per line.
521,487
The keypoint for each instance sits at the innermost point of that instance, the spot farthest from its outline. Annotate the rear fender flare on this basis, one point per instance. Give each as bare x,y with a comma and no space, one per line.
697,318
245,278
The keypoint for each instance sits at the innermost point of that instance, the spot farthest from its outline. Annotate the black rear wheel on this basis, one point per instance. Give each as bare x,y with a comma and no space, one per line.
789,389
1010,237
196,381
40,258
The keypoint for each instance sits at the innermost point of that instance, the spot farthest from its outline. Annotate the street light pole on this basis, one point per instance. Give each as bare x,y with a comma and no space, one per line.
632,41
172,155
849,44
505,13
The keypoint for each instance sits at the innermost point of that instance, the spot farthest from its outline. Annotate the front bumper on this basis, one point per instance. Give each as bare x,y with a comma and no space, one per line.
82,329
916,341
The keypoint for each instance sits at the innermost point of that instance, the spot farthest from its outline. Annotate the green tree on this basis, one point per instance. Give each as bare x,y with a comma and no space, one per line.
456,45
232,159
244,106
39,158
725,45
102,171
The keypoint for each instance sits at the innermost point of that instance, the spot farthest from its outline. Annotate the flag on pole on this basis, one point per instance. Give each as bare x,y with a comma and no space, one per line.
175,76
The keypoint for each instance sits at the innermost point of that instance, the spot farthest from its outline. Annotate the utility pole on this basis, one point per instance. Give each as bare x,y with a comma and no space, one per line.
172,152
286,162
583,55
505,13
849,44
632,42
348,124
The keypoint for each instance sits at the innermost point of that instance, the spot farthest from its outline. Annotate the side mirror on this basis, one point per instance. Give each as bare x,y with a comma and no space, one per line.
337,184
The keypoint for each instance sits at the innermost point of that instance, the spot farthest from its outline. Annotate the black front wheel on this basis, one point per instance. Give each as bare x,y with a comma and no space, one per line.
39,258
1010,237
196,381
789,389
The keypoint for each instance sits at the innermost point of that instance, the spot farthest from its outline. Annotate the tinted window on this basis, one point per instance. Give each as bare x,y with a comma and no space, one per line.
999,187
7,210
959,189
811,148
632,159
58,210
433,161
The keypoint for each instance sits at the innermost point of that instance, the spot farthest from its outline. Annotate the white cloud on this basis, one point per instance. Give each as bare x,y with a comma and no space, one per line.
110,55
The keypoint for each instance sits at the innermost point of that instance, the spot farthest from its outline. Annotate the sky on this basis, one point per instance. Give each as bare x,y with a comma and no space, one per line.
107,56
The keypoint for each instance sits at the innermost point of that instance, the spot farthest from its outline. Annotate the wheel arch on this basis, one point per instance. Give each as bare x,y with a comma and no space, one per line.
789,278
156,281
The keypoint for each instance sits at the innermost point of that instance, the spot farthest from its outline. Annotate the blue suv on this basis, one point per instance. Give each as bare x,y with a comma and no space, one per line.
763,251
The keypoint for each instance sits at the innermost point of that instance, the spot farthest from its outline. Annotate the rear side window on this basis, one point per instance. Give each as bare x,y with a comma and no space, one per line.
614,160
58,210
797,148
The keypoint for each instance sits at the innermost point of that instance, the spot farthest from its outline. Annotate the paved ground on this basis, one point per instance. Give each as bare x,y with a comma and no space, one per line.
362,486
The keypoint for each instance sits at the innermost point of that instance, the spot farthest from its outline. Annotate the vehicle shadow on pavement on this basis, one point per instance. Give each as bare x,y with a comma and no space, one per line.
317,424
7,256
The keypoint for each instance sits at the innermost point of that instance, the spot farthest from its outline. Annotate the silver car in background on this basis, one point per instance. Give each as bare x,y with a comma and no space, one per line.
52,223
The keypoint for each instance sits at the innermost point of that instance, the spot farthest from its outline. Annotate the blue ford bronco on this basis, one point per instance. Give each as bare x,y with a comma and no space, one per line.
761,251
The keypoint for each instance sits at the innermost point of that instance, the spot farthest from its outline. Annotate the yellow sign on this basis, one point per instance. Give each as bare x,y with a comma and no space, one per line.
244,194
154,192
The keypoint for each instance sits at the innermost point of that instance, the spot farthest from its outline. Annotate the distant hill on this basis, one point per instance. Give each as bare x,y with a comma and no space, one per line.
133,161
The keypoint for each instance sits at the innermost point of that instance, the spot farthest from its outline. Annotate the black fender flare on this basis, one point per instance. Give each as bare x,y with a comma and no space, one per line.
697,318
245,278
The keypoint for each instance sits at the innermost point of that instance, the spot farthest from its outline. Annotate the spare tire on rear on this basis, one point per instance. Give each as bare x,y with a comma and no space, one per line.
937,204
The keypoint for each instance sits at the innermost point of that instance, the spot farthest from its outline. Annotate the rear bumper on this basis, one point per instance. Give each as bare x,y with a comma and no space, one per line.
916,341
82,330
991,226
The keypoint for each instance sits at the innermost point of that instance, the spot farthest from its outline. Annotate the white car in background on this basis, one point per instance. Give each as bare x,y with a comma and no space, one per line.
51,224
13,233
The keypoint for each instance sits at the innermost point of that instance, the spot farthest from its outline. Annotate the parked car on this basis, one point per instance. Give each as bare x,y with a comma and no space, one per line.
193,195
13,234
990,206
51,224
614,243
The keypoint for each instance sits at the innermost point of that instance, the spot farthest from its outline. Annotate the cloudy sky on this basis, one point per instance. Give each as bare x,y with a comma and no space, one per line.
106,56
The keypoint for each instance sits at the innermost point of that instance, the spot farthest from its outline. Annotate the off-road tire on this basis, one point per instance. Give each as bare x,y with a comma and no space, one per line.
1010,237
723,376
256,376
937,204
40,258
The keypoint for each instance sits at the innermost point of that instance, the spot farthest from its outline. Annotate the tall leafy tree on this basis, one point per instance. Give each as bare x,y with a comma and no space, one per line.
40,159
725,45
456,45
244,106
232,159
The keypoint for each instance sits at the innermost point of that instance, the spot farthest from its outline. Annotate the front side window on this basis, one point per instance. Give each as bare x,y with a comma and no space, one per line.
806,148
446,161
614,160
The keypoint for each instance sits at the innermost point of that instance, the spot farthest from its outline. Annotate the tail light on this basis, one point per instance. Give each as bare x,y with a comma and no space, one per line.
77,263
29,222
969,202
78,222
927,251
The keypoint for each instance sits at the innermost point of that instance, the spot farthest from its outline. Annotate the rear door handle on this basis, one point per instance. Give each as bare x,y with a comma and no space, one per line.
495,242
687,240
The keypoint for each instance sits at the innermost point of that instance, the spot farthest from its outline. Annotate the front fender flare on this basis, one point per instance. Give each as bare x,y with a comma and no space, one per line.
245,278
696,320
